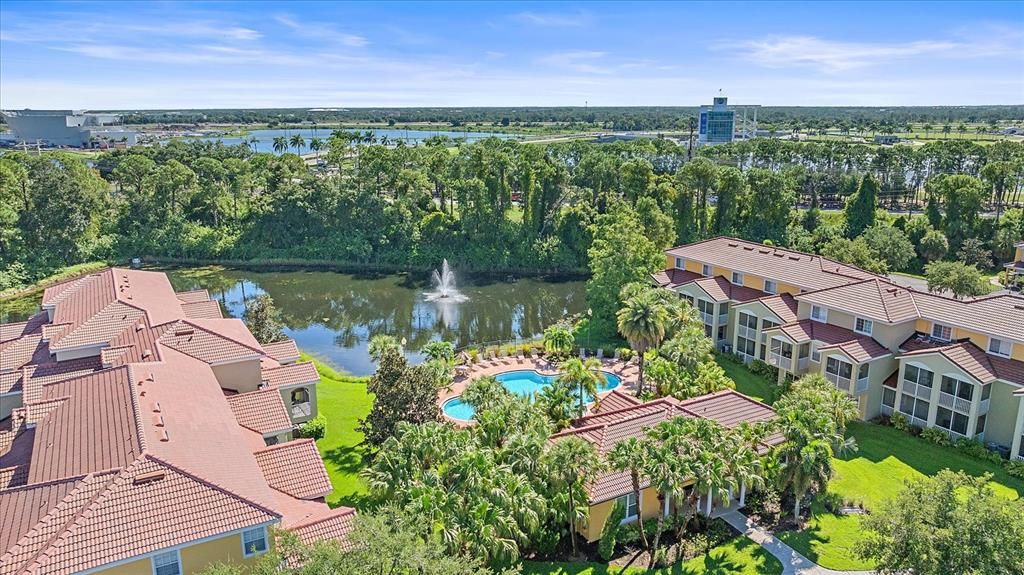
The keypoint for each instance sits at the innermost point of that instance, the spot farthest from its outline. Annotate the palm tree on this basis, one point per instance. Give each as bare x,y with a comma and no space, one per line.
667,473
380,344
927,129
280,144
298,142
643,320
946,129
558,340
803,468
557,403
573,462
582,376
628,456
253,141
315,145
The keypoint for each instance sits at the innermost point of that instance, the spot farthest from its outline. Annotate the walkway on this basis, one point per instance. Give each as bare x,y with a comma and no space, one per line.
793,563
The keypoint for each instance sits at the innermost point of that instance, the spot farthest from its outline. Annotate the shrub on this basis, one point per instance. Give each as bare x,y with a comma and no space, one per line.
761,368
977,449
832,501
1015,468
625,353
610,532
767,503
630,534
315,428
935,435
899,421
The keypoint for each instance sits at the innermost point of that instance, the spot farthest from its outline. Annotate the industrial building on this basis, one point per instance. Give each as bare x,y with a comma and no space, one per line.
721,123
68,128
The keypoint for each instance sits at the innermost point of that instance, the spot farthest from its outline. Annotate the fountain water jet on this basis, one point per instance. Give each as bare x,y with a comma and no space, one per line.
444,285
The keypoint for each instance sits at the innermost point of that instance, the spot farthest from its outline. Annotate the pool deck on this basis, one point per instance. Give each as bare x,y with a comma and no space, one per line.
628,374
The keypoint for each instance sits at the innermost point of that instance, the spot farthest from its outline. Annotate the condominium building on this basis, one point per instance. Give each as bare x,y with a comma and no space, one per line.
957,365
142,432
1015,269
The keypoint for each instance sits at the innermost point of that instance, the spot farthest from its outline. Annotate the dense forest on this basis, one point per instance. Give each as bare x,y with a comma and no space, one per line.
500,205
612,118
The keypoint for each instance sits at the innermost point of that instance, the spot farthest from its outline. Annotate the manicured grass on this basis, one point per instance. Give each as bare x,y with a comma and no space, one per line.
886,458
739,556
747,382
343,400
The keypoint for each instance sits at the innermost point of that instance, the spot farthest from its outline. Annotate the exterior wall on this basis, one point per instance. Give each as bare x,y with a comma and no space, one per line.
1002,415
979,339
78,353
286,396
240,376
194,558
880,370
650,506
891,336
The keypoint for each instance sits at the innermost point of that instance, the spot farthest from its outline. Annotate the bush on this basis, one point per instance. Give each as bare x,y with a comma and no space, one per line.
625,353
610,532
767,503
630,534
1015,468
315,428
899,421
761,368
935,435
977,449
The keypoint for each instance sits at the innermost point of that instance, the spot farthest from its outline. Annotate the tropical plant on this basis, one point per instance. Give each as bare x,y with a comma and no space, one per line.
582,376
643,321
401,393
280,144
558,340
297,142
628,455
381,344
263,319
574,462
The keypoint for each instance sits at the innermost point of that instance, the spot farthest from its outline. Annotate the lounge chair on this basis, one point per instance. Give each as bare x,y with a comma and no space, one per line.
583,353
533,354
617,355
600,353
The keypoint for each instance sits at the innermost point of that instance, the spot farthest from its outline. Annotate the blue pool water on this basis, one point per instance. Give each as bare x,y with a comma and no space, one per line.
523,382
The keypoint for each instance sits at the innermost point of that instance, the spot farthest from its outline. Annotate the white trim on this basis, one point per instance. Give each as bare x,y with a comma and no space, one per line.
1009,352
931,332
266,541
709,273
639,507
870,323
824,318
680,262
147,555
733,278
775,286
232,360
293,385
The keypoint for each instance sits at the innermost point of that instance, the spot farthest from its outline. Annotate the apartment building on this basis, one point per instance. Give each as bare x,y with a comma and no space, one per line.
946,363
142,432
1015,269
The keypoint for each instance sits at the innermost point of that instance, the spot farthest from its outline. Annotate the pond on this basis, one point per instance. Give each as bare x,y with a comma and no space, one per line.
333,315
265,138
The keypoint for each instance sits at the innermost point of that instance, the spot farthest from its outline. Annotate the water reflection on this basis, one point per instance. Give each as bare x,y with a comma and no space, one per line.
334,315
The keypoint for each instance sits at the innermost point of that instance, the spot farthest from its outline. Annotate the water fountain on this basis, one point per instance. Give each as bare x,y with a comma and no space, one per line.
444,286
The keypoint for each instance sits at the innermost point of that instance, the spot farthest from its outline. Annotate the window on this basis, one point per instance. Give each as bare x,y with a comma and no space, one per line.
688,298
920,376
745,346
819,313
815,354
986,391
300,395
785,349
999,347
769,286
914,407
706,270
767,324
737,278
168,563
942,332
980,427
839,368
862,371
706,306
721,332
631,505
748,320
254,541
889,397
952,420
957,388
680,263
863,326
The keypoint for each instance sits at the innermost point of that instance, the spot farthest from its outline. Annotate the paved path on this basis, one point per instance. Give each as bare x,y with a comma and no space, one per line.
793,563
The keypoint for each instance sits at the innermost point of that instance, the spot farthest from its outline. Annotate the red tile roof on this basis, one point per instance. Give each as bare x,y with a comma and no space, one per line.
295,468
294,374
193,296
782,305
202,310
284,351
333,525
614,401
858,347
673,278
208,344
874,299
808,271
721,289
973,360
262,411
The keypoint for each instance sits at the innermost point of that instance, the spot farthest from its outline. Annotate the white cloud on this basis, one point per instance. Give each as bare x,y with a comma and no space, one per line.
831,56
554,19
582,61
324,32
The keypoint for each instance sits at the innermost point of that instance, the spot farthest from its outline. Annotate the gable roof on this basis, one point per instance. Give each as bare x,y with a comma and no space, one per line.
262,411
721,289
858,347
295,468
983,367
874,299
292,374
807,271
206,341
783,306
284,351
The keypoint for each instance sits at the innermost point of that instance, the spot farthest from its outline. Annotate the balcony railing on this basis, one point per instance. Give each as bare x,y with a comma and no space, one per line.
911,388
780,361
300,410
749,333
983,407
1018,457
839,381
862,385
950,401
801,364
723,318
707,318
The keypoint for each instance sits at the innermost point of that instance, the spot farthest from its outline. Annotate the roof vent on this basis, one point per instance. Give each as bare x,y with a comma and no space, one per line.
138,327
158,421
183,331
795,258
146,353
164,437
156,407
148,477
764,251
1020,307
749,248
778,255
733,244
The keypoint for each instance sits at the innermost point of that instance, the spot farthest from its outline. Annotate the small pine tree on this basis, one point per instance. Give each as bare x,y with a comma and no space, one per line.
860,210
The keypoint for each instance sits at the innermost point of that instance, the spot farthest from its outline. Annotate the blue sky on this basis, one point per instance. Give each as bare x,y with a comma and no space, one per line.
291,54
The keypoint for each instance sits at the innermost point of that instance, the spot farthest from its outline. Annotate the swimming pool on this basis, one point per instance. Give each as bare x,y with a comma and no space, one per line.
526,383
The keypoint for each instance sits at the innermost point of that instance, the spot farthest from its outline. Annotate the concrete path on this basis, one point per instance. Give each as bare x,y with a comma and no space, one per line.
793,563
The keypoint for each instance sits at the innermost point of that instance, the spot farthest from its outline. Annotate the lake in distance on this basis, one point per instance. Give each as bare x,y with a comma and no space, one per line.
265,138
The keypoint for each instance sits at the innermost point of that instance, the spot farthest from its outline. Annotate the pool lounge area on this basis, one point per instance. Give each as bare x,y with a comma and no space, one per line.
525,377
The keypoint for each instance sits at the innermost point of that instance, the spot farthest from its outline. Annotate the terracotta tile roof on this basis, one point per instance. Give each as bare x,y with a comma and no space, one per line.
284,351
90,528
721,289
99,409
858,347
892,380
333,525
874,299
673,278
33,325
808,271
262,411
21,508
294,374
202,310
607,428
192,338
973,360
295,468
193,296
614,401
782,305
1000,315
60,291
26,350
31,378
99,328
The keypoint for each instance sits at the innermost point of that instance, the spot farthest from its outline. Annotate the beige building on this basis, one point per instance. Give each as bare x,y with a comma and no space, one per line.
957,365
143,433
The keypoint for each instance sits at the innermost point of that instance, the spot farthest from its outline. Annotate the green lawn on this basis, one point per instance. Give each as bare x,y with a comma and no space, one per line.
886,458
747,382
343,400
740,556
